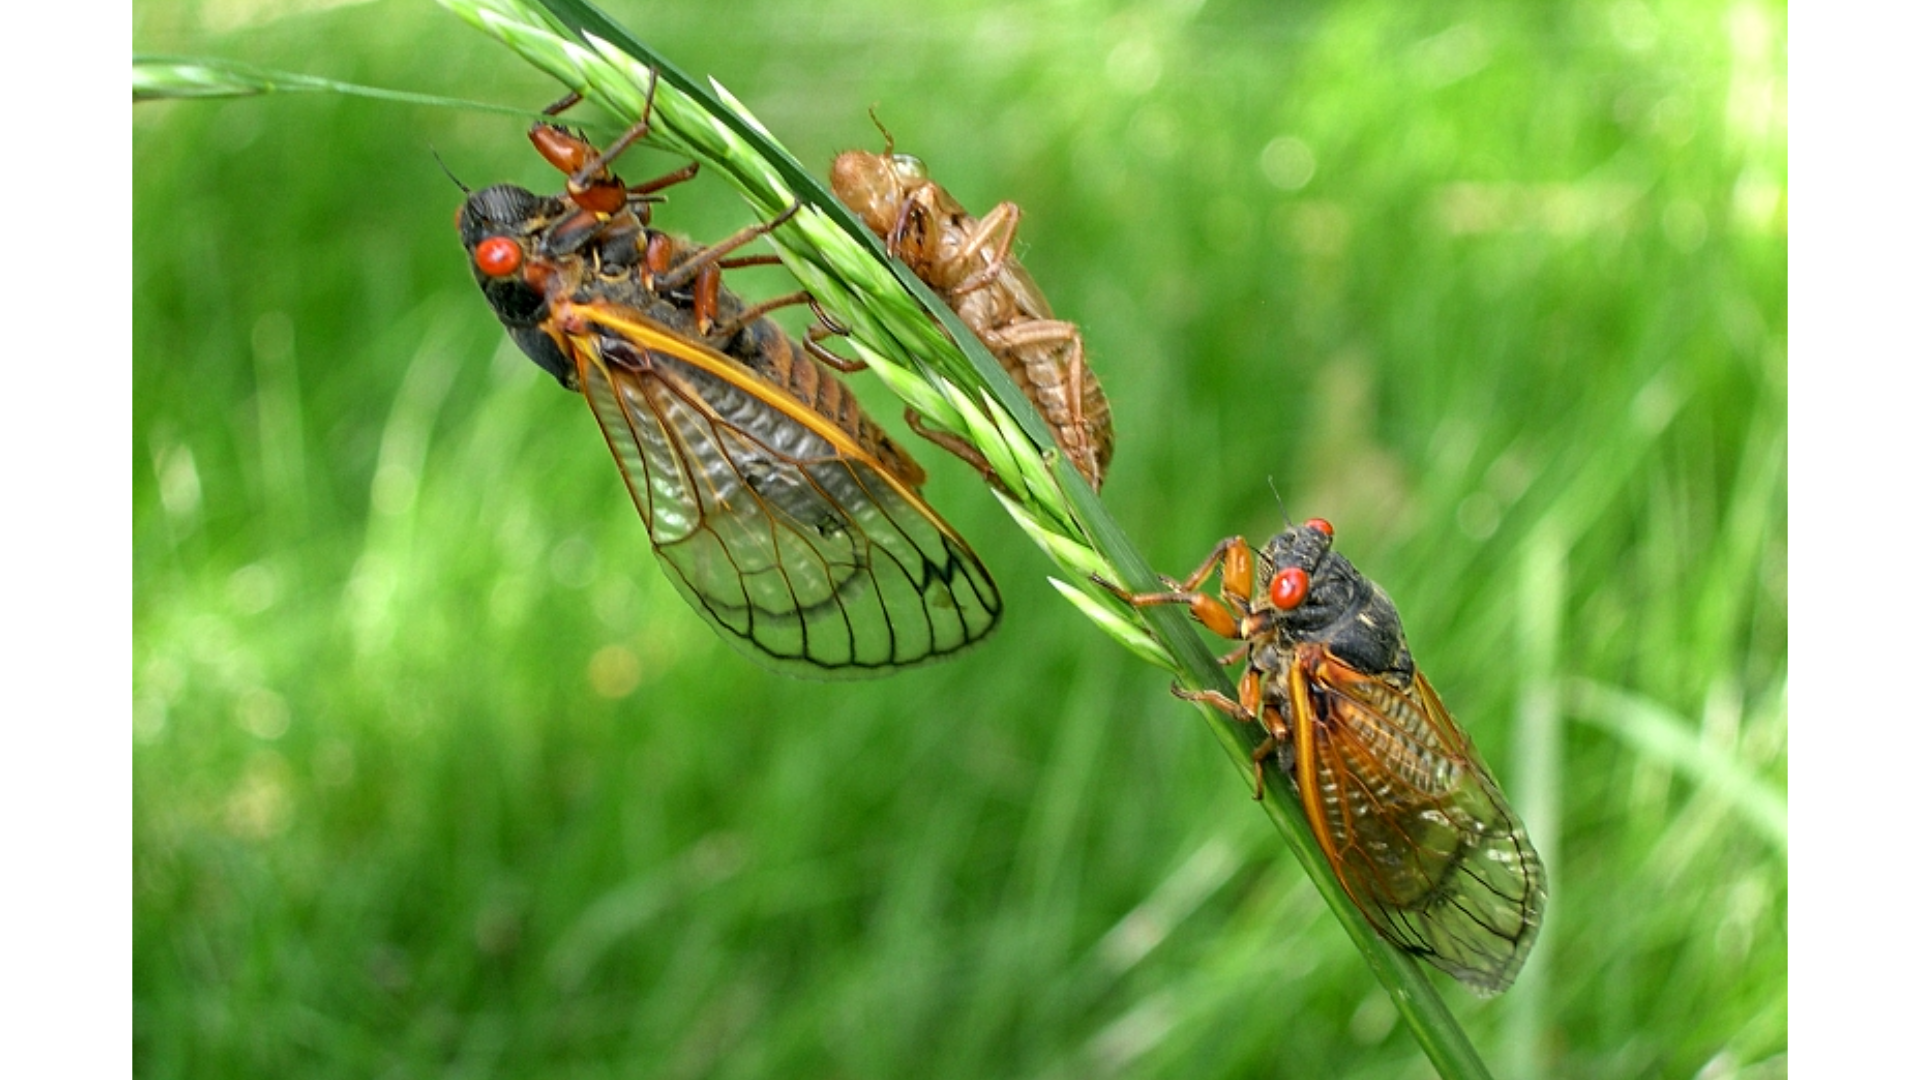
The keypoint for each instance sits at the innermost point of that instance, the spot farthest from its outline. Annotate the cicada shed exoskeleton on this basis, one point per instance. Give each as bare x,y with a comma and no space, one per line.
783,514
970,263
1411,820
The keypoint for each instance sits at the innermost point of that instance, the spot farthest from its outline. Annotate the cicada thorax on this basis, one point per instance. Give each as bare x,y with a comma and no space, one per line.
970,263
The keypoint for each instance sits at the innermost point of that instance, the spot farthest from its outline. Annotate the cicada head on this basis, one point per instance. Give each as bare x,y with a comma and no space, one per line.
1310,593
871,186
501,228
506,210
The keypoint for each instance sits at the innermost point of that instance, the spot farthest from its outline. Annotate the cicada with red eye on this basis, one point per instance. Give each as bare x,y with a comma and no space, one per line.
970,263
782,513
1408,815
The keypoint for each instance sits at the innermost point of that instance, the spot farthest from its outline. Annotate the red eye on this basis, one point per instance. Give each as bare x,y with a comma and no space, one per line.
1289,587
1321,526
497,256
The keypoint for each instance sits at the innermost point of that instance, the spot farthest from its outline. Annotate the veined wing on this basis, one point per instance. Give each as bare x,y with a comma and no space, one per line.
789,536
1413,824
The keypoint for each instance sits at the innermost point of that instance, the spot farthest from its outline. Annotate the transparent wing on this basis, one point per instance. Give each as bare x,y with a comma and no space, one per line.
796,543
1415,827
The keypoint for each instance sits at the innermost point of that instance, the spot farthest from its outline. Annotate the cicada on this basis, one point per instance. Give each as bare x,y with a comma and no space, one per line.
782,513
1406,812
970,263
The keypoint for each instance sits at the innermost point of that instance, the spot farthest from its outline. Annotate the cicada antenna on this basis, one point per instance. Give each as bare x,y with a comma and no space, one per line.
464,189
873,114
1285,521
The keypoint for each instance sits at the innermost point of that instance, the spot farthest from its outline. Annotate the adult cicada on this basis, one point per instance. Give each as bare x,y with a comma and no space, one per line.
782,513
1399,801
970,263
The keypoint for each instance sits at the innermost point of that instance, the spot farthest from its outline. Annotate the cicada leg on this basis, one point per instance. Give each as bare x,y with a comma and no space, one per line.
591,183
1217,700
1017,335
590,179
955,445
668,268
1052,357
1248,709
571,99
916,214
678,176
826,326
1226,614
993,235
668,275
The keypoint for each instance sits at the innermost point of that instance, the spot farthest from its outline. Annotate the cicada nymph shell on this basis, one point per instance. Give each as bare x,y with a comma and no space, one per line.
969,262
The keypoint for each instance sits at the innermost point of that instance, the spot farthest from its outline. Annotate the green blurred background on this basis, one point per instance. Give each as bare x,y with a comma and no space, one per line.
435,774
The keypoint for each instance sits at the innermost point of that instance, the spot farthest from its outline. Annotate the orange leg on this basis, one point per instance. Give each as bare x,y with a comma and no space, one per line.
1246,710
1225,614
590,181
1215,699
598,167
1262,754
1229,616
